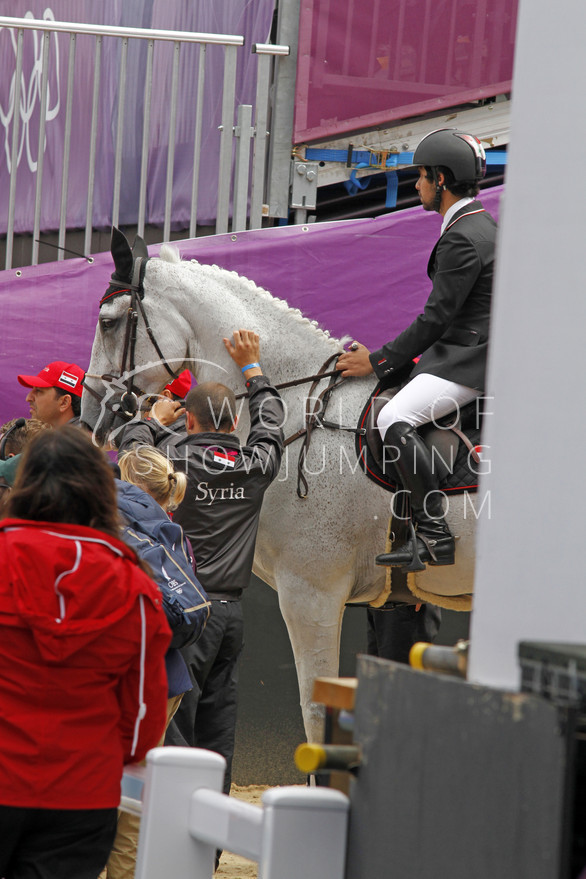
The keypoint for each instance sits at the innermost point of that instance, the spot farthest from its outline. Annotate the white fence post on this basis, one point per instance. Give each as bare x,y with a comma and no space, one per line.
165,847
304,833
300,831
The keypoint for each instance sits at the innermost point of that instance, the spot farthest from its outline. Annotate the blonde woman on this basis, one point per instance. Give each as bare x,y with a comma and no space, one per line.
149,489
154,473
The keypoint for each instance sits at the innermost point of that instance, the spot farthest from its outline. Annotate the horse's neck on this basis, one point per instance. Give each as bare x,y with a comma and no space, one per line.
291,350
290,345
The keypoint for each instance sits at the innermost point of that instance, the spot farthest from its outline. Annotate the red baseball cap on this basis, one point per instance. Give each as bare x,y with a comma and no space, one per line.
181,385
57,374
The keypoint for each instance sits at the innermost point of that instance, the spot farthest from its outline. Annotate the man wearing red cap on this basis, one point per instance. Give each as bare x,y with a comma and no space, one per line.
177,391
179,388
55,393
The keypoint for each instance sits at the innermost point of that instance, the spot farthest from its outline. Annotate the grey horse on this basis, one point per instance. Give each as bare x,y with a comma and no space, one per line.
317,551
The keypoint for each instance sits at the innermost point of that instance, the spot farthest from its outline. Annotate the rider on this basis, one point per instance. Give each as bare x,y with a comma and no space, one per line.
451,335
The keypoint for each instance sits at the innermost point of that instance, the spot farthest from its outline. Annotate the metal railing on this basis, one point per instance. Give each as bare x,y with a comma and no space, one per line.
132,93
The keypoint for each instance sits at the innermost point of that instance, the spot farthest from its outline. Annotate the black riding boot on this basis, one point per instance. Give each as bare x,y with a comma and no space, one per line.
432,542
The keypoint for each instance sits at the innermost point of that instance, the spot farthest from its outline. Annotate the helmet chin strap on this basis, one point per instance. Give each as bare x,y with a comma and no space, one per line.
439,188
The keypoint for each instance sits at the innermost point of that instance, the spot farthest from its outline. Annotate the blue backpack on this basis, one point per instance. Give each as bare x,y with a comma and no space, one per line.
162,544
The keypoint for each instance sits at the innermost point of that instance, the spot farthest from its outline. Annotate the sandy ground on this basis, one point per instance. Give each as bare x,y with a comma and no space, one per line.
233,866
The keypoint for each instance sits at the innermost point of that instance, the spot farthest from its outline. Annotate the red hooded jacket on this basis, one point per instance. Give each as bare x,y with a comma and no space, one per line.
83,688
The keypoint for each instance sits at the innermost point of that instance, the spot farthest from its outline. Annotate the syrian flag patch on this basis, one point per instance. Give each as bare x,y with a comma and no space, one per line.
68,379
227,459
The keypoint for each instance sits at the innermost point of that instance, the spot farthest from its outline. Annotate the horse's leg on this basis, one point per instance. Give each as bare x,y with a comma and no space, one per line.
314,622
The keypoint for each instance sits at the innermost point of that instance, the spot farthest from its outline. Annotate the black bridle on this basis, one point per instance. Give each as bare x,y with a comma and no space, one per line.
129,398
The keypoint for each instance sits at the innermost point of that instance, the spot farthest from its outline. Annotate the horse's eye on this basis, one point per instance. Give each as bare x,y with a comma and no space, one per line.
107,323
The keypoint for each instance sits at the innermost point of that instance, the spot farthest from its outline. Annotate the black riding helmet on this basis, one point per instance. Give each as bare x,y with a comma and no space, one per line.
462,153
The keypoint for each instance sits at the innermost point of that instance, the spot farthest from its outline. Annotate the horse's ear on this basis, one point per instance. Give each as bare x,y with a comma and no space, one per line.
139,248
122,255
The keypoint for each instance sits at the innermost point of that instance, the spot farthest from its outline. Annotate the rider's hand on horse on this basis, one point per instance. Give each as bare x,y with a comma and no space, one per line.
244,351
354,362
167,411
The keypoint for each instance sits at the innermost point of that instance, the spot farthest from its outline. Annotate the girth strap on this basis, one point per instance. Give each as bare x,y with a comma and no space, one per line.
466,440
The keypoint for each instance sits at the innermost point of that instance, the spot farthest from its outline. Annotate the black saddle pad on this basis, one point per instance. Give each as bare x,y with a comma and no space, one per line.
457,469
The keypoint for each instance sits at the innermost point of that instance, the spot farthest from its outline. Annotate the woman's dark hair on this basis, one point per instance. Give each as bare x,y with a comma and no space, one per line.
63,477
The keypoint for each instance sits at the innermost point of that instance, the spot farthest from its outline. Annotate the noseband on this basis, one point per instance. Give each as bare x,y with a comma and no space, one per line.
129,399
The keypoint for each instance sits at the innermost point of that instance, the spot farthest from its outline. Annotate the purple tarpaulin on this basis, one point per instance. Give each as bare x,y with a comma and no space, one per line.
248,18
365,64
363,278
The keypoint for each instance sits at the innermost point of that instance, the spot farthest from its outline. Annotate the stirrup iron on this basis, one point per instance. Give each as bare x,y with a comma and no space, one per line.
415,564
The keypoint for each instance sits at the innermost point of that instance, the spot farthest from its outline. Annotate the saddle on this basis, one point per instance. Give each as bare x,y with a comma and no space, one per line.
454,442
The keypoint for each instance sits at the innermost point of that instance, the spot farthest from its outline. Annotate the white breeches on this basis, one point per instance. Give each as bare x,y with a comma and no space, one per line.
425,398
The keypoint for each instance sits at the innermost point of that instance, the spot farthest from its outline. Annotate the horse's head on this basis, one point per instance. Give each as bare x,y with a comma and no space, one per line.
134,329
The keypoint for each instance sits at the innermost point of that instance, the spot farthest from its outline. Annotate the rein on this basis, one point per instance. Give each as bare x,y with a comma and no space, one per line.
298,381
313,416
311,420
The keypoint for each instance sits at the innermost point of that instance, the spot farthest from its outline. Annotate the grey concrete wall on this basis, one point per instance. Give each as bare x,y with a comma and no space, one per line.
530,571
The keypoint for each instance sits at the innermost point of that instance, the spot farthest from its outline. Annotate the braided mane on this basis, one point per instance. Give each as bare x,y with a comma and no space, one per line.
240,284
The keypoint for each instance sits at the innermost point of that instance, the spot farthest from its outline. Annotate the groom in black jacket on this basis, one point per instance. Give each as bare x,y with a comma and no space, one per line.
451,337
226,482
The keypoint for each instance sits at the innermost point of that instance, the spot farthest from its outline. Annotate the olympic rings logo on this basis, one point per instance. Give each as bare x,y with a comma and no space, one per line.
28,96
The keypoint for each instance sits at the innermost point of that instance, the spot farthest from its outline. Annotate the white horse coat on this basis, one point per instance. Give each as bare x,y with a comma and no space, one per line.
317,552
